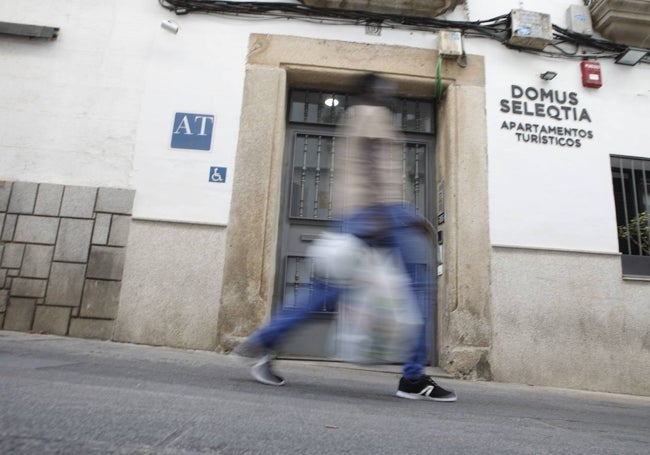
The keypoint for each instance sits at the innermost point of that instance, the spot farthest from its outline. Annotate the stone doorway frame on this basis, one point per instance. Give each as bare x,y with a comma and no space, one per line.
277,62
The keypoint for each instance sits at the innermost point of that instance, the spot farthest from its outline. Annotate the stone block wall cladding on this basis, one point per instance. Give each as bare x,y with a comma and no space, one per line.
62,252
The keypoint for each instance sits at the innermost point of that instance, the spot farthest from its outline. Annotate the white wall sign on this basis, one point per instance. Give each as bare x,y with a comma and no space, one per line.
546,117
192,131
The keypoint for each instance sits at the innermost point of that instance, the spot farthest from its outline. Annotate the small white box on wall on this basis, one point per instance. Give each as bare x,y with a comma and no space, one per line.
450,42
578,20
530,29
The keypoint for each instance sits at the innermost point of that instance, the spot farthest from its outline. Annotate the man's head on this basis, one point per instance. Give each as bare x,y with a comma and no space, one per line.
375,89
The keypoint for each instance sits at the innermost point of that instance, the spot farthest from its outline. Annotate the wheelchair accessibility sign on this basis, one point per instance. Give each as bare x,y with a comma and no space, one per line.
217,174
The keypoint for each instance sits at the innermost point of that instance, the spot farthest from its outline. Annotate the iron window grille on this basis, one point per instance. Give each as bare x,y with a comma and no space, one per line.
328,108
631,182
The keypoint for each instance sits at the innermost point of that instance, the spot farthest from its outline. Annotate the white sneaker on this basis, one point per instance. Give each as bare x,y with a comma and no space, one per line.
263,373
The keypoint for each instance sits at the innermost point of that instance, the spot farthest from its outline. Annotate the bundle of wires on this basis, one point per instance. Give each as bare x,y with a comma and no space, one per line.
565,44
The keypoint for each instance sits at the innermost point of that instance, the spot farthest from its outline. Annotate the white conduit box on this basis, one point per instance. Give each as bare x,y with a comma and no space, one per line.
578,20
530,29
450,43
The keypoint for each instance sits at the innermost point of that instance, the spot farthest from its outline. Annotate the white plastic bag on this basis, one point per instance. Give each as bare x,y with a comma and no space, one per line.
379,320
337,257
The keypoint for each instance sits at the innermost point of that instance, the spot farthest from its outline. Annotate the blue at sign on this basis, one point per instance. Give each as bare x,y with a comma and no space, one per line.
192,131
218,174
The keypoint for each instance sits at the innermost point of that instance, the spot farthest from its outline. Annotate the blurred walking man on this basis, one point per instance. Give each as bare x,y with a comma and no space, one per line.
372,208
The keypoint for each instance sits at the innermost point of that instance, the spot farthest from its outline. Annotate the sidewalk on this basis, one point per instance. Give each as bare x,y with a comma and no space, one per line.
166,352
76,396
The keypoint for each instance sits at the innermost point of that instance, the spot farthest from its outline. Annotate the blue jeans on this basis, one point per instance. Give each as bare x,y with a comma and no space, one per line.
389,225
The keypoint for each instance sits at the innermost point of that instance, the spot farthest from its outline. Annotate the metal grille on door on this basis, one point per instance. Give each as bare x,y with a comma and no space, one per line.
313,118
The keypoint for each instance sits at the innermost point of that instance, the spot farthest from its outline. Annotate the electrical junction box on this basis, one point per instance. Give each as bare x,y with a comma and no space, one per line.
578,20
530,29
450,43
591,76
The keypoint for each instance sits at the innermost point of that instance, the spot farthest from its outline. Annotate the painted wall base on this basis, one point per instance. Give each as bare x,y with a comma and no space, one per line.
586,328
170,293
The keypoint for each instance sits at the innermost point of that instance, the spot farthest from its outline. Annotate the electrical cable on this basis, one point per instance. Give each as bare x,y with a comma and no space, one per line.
496,28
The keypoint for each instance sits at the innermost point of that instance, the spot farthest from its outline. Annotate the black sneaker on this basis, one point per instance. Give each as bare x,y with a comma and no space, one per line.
424,388
263,373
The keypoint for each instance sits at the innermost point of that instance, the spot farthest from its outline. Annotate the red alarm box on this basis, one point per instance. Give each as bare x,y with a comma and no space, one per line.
591,76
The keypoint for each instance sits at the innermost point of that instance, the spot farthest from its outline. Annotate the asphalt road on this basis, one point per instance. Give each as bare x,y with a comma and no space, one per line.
70,396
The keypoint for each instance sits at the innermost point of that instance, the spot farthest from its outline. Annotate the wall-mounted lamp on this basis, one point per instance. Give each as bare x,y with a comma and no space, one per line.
548,75
631,56
170,26
331,102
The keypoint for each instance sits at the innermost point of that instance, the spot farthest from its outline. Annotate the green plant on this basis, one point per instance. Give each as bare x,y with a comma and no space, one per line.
637,230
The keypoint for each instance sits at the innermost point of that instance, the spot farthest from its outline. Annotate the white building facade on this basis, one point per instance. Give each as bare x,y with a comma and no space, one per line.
143,179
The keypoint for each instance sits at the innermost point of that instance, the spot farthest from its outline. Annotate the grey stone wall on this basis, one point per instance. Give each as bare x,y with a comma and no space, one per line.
62,252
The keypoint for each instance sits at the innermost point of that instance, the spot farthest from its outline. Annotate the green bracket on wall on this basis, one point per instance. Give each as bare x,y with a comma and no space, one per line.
439,78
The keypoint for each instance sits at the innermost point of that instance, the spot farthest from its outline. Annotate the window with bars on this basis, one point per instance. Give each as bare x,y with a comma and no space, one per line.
328,108
631,182
313,177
